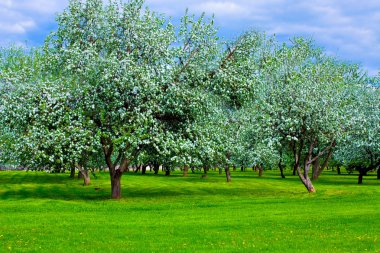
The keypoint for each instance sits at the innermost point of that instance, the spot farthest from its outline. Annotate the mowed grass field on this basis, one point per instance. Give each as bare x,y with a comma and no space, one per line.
42,212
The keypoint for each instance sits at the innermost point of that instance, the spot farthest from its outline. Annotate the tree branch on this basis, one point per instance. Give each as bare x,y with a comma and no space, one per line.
333,143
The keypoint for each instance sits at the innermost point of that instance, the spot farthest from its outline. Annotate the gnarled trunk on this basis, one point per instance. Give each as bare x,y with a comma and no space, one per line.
83,173
305,178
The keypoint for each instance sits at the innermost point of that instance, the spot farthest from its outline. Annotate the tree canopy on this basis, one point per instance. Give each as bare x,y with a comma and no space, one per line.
121,82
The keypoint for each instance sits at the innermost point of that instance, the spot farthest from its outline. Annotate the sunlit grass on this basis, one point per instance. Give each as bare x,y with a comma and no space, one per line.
42,212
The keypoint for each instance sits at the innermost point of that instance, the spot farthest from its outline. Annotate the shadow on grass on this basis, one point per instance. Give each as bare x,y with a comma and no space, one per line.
38,185
25,177
41,185
23,186
349,180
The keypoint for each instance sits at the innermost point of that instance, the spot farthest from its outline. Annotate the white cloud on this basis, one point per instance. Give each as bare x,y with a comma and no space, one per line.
224,9
13,22
43,7
20,27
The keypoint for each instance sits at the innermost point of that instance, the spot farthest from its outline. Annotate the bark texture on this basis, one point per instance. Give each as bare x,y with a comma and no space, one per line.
185,170
84,174
305,179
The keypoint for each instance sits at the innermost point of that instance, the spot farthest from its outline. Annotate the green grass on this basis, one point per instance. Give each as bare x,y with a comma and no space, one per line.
42,212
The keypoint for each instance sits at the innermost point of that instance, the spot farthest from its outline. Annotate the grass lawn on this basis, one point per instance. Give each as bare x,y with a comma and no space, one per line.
42,212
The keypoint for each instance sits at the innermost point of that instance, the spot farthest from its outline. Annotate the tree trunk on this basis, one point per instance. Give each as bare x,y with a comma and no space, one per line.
220,171
280,165
315,169
115,184
185,170
115,175
138,168
156,168
360,178
143,169
378,173
338,169
305,178
205,170
297,154
261,170
325,163
82,173
167,170
228,174
72,172
192,169
242,168
233,167
86,178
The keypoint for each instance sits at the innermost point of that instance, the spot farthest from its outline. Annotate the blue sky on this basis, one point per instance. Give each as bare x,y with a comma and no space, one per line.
349,29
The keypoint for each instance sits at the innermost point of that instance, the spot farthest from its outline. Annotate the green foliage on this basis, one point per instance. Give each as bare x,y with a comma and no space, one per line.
303,104
361,146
